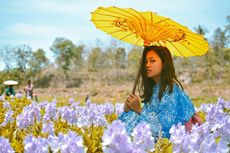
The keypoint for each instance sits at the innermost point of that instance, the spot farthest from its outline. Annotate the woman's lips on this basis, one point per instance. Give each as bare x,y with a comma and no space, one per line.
148,70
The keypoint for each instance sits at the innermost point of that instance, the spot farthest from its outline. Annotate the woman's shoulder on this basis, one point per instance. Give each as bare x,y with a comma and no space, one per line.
177,90
177,86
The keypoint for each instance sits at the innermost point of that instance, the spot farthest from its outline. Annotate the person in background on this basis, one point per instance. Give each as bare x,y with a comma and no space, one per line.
29,89
9,90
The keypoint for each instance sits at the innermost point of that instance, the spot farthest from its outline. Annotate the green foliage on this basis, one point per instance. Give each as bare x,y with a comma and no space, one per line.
94,62
120,57
226,56
43,81
201,30
78,55
38,61
25,64
7,56
73,83
198,76
22,55
65,53
133,58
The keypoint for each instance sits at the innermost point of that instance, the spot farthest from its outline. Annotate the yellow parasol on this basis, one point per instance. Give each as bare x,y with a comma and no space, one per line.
148,28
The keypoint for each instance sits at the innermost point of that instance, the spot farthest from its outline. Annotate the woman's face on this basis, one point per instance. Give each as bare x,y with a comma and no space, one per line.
153,66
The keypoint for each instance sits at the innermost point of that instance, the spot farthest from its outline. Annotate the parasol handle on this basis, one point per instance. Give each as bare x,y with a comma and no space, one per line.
137,77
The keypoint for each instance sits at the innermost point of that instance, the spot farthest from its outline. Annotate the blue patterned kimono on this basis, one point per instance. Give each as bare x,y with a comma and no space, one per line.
161,115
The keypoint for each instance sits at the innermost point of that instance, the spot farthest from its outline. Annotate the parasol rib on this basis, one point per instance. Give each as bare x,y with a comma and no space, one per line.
177,49
188,48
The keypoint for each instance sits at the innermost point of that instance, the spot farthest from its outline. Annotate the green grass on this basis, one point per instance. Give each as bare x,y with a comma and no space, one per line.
201,100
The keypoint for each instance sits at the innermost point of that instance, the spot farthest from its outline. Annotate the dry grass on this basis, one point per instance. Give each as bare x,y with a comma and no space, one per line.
199,93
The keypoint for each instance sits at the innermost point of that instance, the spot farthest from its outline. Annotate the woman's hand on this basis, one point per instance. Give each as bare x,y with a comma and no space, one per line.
195,119
133,103
188,125
126,107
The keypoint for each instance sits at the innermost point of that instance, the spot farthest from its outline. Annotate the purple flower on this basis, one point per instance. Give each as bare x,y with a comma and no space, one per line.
220,101
142,137
6,105
75,105
71,101
54,144
97,118
70,142
178,133
48,128
119,108
2,98
35,145
224,130
222,147
50,112
5,146
73,143
43,104
107,108
8,118
203,138
115,139
18,95
227,105
67,114
29,115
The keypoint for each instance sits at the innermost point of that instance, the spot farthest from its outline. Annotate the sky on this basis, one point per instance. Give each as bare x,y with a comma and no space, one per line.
38,22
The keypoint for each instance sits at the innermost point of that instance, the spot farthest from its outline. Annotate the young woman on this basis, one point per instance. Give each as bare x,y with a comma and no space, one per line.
165,102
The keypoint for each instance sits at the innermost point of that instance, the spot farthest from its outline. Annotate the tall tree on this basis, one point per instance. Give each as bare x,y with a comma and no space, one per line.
7,56
38,61
22,55
93,59
78,56
109,58
120,57
227,30
64,52
201,30
220,40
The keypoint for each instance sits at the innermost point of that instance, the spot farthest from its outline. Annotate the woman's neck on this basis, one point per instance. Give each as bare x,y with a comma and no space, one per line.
157,79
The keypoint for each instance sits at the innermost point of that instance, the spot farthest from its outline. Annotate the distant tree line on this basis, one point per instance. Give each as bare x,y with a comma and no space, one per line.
75,63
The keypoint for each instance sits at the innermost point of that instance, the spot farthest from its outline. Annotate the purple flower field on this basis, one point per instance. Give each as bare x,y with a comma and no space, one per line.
27,126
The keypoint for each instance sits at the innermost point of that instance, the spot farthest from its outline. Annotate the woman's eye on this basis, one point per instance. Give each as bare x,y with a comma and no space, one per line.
152,61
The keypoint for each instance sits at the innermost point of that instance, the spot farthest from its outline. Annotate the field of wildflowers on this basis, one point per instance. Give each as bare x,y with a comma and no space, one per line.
28,126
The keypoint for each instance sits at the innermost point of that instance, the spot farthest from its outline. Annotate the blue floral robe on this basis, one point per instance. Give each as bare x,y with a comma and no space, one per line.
161,115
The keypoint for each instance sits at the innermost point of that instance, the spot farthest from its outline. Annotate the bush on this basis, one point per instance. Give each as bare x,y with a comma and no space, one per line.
44,81
76,82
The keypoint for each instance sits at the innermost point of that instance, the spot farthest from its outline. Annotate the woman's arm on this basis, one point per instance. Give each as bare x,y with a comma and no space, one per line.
189,116
30,87
174,108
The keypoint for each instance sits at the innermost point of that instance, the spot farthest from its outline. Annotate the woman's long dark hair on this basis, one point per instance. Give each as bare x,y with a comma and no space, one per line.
168,75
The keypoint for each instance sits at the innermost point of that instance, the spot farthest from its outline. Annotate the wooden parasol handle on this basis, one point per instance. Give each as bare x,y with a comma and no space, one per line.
138,76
